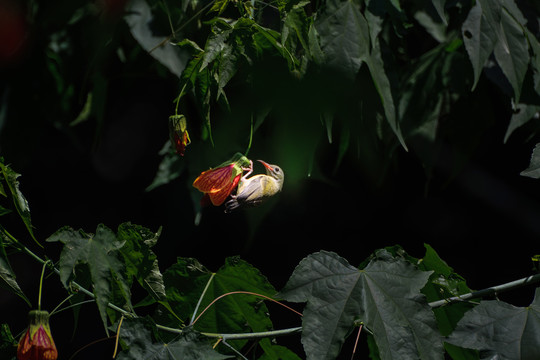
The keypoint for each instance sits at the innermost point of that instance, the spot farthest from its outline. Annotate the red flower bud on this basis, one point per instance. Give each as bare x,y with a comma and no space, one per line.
37,342
178,133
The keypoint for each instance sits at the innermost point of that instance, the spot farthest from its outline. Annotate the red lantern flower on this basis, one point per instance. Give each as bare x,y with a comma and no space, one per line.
218,183
178,133
37,342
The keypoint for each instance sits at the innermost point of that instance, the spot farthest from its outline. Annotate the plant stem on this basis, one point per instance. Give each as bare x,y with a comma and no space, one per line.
41,283
487,292
200,298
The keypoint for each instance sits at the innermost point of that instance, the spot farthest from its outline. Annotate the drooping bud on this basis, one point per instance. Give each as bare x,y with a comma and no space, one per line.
37,342
218,183
178,133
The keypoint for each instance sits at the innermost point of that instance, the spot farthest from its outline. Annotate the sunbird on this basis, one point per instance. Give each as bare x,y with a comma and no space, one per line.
254,190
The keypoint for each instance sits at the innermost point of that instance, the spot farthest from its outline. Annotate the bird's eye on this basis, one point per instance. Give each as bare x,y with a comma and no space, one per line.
276,170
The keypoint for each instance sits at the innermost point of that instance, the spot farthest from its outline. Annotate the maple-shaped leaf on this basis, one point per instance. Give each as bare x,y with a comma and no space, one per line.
139,337
99,252
500,330
186,280
384,296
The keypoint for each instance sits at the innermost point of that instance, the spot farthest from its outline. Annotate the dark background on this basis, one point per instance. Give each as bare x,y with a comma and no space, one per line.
484,221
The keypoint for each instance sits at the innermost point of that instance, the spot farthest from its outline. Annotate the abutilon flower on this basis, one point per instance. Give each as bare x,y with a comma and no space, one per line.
218,183
37,342
178,133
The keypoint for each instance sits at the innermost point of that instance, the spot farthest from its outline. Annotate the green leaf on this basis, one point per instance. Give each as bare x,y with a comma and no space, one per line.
100,253
480,34
439,6
7,276
170,167
533,170
385,296
344,37
522,115
141,262
21,205
511,52
277,352
500,330
384,88
186,280
140,339
8,344
445,283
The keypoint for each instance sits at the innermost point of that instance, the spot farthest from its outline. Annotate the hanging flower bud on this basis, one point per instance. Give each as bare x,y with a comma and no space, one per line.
178,133
37,342
218,183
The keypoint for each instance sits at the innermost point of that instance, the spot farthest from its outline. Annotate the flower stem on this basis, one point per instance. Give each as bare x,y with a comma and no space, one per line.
41,283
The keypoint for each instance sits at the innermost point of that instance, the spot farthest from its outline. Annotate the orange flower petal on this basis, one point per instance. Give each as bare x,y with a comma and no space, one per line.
213,180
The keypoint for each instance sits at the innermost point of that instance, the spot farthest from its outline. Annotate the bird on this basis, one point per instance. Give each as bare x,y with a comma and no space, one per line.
252,191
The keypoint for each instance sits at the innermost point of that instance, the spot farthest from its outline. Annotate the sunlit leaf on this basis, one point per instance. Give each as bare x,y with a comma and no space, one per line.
100,253
141,262
500,330
385,296
138,17
139,336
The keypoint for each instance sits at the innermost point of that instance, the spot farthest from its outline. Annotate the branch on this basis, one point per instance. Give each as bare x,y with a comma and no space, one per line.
487,292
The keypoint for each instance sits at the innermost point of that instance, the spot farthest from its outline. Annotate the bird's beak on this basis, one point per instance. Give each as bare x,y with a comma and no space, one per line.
266,165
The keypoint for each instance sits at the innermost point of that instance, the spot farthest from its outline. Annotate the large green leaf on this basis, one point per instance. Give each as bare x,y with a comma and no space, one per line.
186,281
344,37
500,330
522,115
140,341
100,253
385,296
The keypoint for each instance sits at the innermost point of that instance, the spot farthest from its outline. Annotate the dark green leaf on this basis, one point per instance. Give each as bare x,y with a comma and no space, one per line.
522,115
100,253
511,52
439,6
501,330
445,283
385,296
186,280
533,170
344,37
139,336
170,168
384,88
141,262
480,34
277,352
7,276
21,205
8,344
